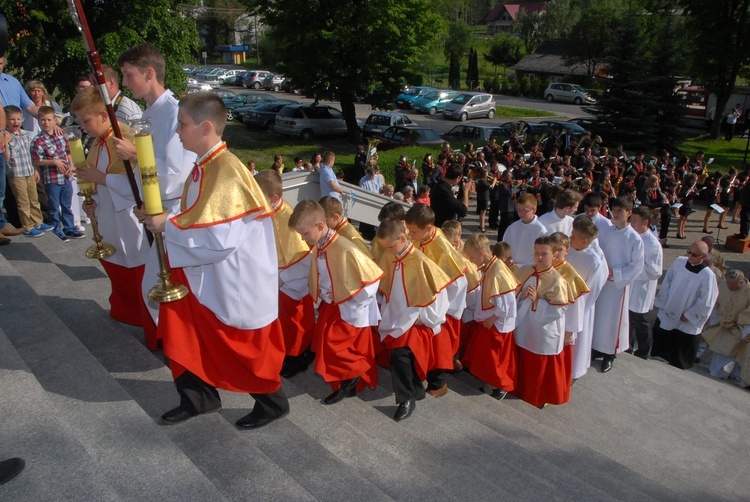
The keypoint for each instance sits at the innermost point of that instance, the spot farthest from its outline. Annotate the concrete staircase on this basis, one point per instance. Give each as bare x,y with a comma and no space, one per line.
81,397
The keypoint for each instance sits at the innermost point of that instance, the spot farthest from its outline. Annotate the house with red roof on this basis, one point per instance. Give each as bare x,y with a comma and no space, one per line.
502,17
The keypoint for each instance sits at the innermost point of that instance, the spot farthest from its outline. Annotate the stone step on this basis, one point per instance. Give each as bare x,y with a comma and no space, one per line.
58,466
134,458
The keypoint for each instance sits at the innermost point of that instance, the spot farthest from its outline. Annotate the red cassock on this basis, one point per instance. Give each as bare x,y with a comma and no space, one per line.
467,331
442,345
491,357
543,379
240,360
343,351
297,322
419,339
126,300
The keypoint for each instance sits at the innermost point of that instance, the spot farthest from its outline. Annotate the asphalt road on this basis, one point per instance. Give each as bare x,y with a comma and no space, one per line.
437,122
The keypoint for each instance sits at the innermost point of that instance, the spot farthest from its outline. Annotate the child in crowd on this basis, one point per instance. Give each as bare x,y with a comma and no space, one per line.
491,353
296,309
420,221
343,281
336,220
50,152
423,197
390,210
221,240
118,224
453,231
542,299
522,234
22,177
414,307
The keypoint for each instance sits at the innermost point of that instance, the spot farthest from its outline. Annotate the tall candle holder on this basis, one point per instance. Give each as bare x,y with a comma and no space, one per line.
166,291
100,249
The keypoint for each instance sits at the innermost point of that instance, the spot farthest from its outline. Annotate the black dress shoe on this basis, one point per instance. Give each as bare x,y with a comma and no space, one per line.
10,468
499,394
180,414
340,395
607,364
404,410
251,421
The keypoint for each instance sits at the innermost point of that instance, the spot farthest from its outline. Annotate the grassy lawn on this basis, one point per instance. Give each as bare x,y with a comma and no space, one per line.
725,153
510,111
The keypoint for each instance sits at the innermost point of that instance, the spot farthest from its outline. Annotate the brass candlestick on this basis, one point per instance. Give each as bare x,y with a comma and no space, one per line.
100,249
166,291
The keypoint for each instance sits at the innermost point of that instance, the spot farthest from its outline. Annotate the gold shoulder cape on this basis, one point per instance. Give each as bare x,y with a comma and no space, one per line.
422,278
442,252
377,250
347,230
116,164
227,192
350,270
550,285
578,286
497,280
472,274
290,247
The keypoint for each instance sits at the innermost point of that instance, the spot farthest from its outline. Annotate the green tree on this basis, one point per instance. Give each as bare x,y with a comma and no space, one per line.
505,50
457,44
472,71
341,49
720,33
47,46
590,37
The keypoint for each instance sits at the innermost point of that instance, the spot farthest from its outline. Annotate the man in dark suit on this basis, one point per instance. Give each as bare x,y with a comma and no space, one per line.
442,201
413,182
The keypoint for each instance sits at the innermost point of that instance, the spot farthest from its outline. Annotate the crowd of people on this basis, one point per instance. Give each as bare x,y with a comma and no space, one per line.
274,289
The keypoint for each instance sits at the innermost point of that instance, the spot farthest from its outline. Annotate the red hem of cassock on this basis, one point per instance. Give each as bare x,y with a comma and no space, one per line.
126,303
343,351
442,347
418,339
467,331
240,360
491,357
542,379
297,319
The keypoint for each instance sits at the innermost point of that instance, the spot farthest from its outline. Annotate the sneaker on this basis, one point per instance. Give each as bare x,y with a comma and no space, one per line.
45,227
73,234
80,229
34,232
62,237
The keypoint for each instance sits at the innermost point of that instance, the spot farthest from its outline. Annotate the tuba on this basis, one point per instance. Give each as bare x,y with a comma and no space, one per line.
372,151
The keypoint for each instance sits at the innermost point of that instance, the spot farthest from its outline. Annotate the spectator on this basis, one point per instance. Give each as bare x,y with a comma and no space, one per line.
371,181
329,185
125,108
39,97
444,203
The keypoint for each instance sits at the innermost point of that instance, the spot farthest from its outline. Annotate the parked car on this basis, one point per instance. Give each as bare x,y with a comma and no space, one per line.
254,79
563,125
229,77
433,102
406,98
524,128
288,86
262,115
571,93
594,125
273,82
238,78
308,121
378,122
191,88
396,136
224,94
470,105
477,134
245,99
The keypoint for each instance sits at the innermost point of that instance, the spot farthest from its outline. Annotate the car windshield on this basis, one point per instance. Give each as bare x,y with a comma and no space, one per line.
411,92
379,120
462,99
433,95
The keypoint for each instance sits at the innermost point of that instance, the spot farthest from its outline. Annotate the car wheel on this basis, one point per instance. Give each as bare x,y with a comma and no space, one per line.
578,101
433,110
306,135
490,113
276,88
464,116
230,115
268,125
550,98
256,85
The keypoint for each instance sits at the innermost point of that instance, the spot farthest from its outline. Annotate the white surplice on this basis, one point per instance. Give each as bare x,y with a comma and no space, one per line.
361,310
541,331
553,223
643,288
684,293
520,237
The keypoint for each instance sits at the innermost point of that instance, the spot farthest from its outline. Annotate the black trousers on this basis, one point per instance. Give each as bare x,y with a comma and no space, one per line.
436,379
506,219
677,347
640,334
666,219
493,212
406,383
744,220
200,397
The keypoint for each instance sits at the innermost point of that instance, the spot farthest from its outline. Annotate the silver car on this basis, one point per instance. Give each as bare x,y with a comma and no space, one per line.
572,93
273,82
309,121
470,105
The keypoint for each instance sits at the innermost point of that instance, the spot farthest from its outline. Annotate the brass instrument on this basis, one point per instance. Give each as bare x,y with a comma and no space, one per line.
372,151
704,174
